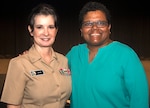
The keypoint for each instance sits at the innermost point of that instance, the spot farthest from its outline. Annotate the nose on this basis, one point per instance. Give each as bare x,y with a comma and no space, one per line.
95,25
45,31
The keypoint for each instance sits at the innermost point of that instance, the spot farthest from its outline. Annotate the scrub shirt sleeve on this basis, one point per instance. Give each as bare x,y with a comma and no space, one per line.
68,55
136,82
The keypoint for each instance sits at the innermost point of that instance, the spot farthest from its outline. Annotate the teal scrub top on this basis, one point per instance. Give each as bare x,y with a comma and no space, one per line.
114,79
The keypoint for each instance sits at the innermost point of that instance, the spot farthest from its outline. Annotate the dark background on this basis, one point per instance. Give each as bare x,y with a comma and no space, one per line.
130,24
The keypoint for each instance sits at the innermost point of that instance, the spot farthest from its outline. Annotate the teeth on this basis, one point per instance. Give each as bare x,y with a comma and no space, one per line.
45,39
94,34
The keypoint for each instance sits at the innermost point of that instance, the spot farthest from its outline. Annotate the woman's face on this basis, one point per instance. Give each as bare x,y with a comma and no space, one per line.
44,32
95,29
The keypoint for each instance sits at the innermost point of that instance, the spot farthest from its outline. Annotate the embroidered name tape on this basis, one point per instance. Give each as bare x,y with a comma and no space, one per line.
37,72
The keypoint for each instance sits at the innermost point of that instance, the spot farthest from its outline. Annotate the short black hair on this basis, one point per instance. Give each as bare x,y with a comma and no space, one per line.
93,6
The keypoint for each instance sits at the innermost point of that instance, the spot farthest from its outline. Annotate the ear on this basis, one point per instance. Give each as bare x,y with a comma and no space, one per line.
109,26
57,30
30,30
81,32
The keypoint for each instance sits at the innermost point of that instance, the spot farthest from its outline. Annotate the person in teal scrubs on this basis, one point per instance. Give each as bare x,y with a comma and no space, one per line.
105,73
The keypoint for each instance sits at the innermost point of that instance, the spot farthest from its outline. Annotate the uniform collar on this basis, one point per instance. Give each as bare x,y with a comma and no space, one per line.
35,56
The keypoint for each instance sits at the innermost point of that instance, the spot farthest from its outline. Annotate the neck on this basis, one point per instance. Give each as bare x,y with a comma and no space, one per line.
45,52
96,47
